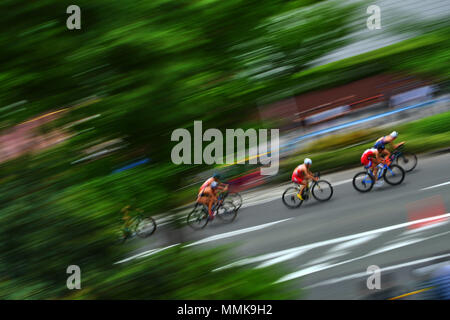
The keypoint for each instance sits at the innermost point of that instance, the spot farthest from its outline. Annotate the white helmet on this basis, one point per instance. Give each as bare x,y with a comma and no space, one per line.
307,161
394,134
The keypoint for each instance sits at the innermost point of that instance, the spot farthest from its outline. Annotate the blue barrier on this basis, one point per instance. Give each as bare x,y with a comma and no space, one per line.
352,123
134,164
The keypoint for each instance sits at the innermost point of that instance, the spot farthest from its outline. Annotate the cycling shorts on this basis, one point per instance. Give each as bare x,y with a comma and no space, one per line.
367,164
297,179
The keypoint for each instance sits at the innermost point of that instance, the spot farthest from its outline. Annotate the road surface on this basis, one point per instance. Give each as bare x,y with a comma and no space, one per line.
326,248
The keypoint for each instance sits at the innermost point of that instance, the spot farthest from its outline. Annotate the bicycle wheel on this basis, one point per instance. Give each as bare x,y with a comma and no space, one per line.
121,238
322,190
394,175
145,227
227,211
363,182
290,198
198,218
236,199
408,161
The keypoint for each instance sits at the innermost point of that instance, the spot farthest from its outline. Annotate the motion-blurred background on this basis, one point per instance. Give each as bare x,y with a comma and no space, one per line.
86,118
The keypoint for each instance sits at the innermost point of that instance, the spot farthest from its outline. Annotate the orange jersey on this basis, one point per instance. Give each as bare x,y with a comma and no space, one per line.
207,183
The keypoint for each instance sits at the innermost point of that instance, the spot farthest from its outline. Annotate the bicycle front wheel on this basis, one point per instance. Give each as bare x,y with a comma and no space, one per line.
322,190
236,199
227,211
146,227
363,182
394,175
198,218
408,161
290,198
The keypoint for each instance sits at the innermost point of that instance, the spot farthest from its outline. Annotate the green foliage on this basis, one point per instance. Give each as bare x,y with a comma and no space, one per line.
186,273
338,141
433,125
153,66
425,55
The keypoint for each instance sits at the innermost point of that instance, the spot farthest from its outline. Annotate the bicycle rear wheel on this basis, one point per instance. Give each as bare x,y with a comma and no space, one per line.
227,211
290,198
395,175
198,217
363,182
322,190
145,227
408,161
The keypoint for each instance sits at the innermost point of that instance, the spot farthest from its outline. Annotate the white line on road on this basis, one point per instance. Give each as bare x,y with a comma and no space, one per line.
334,184
436,186
290,252
395,246
146,253
282,258
426,227
342,249
236,232
364,274
310,270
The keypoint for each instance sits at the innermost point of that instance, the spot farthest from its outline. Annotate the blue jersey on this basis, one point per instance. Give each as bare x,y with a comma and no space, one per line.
380,144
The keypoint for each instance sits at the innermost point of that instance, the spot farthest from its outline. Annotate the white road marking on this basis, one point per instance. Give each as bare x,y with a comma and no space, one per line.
282,258
364,274
436,186
255,259
332,241
327,257
426,227
341,249
333,184
310,270
353,243
146,253
236,232
304,272
395,246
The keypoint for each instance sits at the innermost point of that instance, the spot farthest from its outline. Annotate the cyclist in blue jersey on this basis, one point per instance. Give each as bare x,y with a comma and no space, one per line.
381,143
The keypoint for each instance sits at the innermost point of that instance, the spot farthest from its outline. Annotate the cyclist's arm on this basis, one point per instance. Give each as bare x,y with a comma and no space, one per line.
379,158
223,186
395,146
309,175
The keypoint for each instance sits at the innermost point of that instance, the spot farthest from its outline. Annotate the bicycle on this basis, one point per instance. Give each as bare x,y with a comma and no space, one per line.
391,173
404,158
236,199
140,225
198,218
321,190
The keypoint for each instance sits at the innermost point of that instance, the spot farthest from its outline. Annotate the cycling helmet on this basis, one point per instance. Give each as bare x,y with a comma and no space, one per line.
214,184
216,176
394,134
307,161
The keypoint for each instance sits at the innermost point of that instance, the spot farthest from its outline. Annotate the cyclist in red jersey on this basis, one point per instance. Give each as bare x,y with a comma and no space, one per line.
302,175
370,160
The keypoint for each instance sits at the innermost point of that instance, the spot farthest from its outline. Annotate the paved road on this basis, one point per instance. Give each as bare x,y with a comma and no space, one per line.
327,247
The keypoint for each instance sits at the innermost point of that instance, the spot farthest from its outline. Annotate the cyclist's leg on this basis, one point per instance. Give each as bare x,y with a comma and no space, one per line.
203,200
302,183
374,168
210,205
